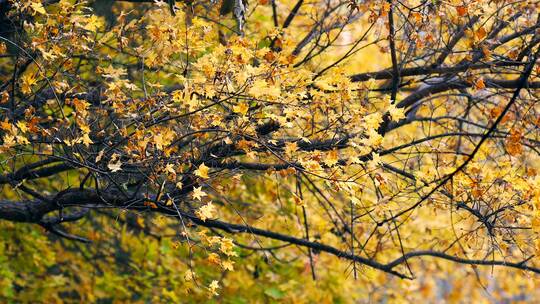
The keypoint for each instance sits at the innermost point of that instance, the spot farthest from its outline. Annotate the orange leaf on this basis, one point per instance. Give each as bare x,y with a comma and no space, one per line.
481,33
479,84
417,16
4,97
462,10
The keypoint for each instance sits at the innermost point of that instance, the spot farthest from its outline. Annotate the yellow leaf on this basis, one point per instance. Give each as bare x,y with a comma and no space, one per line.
188,276
114,167
373,138
112,72
373,120
202,171
395,112
227,265
163,139
226,246
85,140
22,126
9,141
298,201
114,164
214,258
198,193
213,288
241,108
290,148
375,160
261,88
93,23
48,55
38,7
100,155
206,211
169,168
27,81
331,158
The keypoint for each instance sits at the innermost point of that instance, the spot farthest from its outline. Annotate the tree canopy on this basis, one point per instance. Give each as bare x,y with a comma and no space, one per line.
269,151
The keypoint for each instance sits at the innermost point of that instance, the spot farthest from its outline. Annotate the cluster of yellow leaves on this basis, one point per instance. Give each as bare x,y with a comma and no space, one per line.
207,211
16,134
184,72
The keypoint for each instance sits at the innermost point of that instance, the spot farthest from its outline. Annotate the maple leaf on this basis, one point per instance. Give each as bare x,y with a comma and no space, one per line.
202,171
298,201
114,167
198,193
85,140
227,265
226,246
290,148
37,7
462,10
481,33
213,287
331,158
8,141
169,168
355,201
479,84
100,155
114,164
241,108
114,73
206,211
163,138
373,121
396,113
28,80
513,143
375,160
22,126
214,258
140,221
48,55
189,275
93,23
373,138
261,88
4,97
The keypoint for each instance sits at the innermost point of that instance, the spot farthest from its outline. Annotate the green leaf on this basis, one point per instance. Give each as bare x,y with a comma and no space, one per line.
274,293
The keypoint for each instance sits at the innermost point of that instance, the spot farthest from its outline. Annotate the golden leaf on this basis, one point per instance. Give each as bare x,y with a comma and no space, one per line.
206,211
202,171
38,7
198,193
395,112
331,158
241,108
